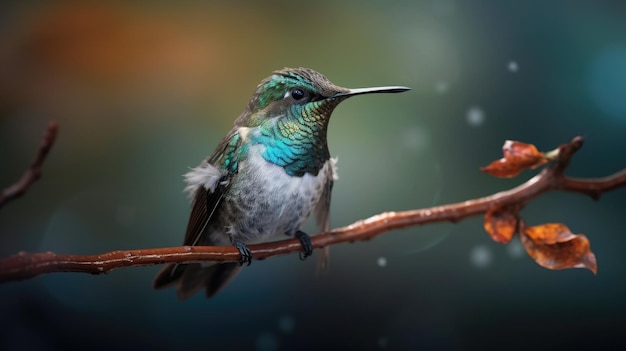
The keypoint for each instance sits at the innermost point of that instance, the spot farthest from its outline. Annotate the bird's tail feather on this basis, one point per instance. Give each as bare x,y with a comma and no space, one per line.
323,256
194,277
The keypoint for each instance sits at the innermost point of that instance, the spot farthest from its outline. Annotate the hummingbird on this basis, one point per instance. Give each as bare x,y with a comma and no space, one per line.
265,178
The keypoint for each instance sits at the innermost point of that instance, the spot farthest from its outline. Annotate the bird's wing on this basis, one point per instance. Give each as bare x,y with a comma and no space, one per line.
204,205
322,212
211,181
322,209
208,184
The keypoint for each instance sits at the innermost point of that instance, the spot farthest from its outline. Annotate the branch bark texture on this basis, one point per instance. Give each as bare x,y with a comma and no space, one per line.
27,265
33,173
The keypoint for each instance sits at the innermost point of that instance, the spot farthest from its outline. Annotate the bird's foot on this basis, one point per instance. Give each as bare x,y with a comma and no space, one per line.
244,251
307,246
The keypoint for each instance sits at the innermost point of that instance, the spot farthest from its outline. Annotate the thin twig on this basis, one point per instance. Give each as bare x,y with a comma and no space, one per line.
27,265
33,173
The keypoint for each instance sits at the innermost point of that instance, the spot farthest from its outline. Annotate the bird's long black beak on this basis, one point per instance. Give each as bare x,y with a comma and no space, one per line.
372,90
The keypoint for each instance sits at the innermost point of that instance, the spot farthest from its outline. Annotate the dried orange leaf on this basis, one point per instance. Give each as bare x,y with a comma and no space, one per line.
501,223
553,246
517,157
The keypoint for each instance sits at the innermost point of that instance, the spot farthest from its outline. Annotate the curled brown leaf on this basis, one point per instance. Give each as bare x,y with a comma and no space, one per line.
518,157
554,246
501,223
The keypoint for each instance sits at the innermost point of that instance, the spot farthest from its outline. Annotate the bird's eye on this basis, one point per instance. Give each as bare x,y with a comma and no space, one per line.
297,94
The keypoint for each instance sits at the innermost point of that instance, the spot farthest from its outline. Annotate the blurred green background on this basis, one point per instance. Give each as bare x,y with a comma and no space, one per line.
144,90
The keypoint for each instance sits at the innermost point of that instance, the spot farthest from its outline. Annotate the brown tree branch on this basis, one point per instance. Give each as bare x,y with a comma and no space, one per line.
33,173
27,265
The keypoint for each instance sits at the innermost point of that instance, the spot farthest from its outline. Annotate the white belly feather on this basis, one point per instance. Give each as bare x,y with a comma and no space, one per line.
289,200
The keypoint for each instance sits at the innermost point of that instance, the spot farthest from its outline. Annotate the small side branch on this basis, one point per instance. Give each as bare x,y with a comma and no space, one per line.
33,173
27,265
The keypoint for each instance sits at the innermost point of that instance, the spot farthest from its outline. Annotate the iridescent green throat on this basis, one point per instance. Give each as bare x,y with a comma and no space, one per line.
297,140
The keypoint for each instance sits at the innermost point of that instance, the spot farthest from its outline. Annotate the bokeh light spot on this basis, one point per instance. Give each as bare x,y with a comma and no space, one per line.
266,342
441,87
475,116
286,324
481,256
382,342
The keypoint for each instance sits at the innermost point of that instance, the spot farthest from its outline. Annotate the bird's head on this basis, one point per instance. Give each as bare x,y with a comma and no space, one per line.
300,94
